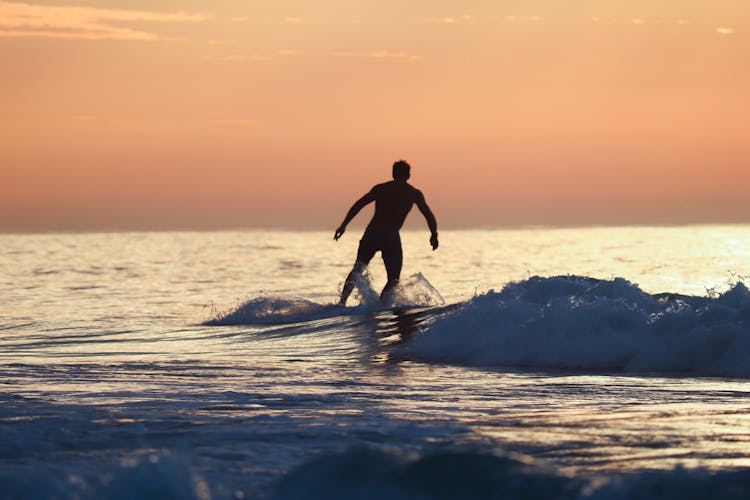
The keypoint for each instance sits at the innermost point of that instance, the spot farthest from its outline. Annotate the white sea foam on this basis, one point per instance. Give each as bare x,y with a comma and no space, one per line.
413,292
573,322
273,310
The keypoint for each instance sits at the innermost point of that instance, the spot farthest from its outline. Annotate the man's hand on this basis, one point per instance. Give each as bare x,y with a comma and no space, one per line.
434,241
339,232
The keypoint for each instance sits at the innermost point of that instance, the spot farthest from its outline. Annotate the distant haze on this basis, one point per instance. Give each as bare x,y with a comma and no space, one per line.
196,114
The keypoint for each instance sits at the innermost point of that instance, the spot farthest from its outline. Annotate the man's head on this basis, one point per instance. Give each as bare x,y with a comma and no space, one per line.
401,170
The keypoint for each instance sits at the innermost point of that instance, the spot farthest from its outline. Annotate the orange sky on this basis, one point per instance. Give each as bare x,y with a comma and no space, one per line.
202,114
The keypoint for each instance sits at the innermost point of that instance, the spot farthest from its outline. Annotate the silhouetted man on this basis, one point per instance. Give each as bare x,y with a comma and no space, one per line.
393,200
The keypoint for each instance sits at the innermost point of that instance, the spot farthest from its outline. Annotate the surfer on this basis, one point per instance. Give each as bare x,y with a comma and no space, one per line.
393,201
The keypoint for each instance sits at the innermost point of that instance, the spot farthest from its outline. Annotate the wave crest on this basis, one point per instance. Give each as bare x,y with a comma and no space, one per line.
581,323
274,310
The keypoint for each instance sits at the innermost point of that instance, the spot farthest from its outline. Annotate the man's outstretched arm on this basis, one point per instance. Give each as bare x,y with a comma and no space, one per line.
430,218
358,205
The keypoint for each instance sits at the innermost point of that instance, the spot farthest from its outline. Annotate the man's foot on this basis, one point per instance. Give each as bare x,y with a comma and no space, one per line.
387,296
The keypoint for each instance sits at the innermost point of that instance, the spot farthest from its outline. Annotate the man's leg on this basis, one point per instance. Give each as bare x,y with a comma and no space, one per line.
365,253
350,280
393,259
392,283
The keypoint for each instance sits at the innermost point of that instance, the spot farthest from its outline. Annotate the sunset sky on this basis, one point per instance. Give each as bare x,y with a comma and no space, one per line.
198,114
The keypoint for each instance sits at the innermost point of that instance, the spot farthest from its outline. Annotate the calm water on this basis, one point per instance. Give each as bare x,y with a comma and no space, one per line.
111,385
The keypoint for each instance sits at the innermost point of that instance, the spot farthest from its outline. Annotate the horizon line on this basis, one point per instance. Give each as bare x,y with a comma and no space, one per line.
284,228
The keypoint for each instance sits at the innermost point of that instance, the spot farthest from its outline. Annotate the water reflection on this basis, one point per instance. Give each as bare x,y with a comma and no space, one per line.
390,330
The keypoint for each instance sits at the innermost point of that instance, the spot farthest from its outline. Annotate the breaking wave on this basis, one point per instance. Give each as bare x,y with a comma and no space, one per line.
372,474
579,323
413,292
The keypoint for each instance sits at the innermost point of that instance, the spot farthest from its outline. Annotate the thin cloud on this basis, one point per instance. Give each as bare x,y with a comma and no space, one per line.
290,52
84,23
294,20
381,54
725,31
449,19
640,21
241,58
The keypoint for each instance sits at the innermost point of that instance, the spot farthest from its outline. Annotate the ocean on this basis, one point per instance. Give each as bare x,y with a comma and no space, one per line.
597,363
